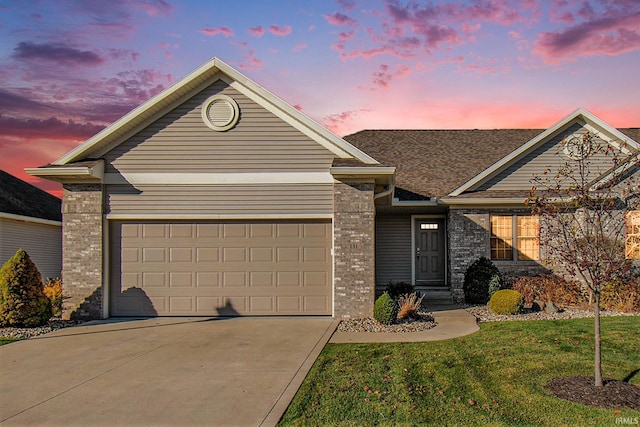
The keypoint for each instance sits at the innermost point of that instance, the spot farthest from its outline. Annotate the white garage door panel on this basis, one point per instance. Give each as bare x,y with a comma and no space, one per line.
258,268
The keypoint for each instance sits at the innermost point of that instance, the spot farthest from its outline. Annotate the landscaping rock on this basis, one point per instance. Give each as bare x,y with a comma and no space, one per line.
537,305
550,308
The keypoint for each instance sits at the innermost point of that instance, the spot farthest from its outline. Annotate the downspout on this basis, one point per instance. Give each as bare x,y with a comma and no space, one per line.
384,193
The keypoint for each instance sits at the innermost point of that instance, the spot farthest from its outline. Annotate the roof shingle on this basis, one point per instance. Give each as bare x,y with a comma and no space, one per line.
432,163
21,198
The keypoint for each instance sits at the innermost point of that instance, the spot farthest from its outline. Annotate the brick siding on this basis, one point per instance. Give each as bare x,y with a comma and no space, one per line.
469,232
82,251
354,249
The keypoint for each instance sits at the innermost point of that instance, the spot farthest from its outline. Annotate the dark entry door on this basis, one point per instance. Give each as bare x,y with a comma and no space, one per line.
430,252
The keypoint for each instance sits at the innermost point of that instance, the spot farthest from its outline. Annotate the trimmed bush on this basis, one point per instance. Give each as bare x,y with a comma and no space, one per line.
409,305
53,291
506,301
477,279
385,309
22,298
396,289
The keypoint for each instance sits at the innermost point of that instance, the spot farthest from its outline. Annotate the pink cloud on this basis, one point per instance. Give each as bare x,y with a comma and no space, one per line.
338,18
225,31
60,53
256,31
335,122
280,31
154,7
343,38
347,4
608,35
383,76
250,62
299,47
515,35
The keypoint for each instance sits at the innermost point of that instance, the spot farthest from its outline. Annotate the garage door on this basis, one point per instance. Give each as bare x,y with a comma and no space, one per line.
221,268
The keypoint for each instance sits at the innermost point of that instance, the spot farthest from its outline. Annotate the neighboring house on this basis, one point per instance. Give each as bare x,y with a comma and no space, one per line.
30,219
218,198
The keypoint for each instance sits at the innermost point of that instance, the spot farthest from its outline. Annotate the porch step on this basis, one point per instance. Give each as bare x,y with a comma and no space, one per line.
436,294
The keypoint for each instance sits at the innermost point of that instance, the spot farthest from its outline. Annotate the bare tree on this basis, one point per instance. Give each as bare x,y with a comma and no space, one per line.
583,206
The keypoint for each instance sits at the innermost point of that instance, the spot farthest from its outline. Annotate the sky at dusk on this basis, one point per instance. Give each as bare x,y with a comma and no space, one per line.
70,68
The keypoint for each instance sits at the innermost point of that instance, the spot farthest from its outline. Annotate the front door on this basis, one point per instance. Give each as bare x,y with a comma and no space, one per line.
430,252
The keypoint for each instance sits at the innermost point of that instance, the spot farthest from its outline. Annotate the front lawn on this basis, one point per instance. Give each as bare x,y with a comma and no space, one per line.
494,377
4,341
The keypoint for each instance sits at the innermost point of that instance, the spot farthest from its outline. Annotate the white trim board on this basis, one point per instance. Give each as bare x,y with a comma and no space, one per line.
580,115
219,178
213,217
196,81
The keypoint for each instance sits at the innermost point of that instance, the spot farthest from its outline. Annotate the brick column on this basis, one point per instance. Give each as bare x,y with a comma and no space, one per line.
354,249
468,240
82,251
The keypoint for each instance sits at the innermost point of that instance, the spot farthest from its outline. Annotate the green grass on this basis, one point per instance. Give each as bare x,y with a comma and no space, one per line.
4,341
493,377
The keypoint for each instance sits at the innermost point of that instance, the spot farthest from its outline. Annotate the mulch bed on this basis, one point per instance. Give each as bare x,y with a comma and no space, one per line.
613,394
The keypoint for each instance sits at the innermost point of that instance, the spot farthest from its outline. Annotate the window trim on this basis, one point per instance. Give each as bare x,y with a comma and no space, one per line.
630,235
514,238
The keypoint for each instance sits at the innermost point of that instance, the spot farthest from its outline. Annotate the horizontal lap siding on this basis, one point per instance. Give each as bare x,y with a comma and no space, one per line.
393,250
275,199
180,141
547,156
42,242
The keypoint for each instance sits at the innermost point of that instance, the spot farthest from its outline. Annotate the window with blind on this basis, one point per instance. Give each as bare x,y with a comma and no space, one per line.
514,231
632,240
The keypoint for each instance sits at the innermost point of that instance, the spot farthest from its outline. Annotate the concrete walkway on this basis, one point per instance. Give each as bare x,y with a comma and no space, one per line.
160,372
452,322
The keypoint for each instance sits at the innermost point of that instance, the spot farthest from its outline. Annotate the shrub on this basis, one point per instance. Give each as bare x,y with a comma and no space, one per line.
53,291
476,281
494,285
22,298
549,288
396,289
506,301
385,309
621,296
409,305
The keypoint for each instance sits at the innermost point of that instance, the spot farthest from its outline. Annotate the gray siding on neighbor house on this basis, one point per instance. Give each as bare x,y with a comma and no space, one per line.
548,155
181,142
393,250
42,242
207,200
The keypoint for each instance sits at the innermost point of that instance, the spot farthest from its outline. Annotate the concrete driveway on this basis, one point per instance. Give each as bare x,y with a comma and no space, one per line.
161,372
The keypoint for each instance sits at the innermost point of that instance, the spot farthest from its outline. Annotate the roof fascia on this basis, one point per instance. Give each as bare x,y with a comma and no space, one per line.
170,95
479,201
381,174
577,115
215,69
94,173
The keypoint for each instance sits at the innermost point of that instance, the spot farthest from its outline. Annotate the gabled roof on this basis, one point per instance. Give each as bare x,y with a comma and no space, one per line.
432,163
23,199
197,80
579,115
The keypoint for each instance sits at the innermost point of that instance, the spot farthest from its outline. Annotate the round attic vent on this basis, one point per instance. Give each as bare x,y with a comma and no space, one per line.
575,148
220,112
